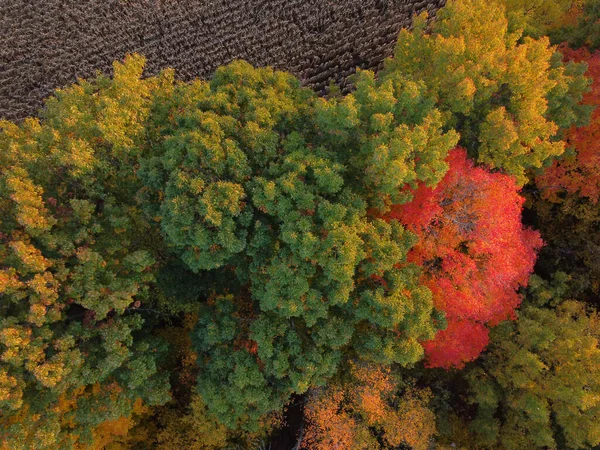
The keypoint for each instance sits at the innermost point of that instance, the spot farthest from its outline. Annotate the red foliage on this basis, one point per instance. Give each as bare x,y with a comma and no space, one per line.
579,173
462,341
474,251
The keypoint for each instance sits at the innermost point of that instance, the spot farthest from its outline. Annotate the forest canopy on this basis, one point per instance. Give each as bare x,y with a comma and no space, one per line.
182,264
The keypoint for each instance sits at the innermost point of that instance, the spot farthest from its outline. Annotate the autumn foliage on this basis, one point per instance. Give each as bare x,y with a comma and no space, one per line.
179,260
474,251
565,198
352,415
579,171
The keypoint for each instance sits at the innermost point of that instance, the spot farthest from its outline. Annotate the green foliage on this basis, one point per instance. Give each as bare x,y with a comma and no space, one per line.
539,18
582,30
246,192
542,372
395,130
245,212
294,228
505,97
565,107
221,133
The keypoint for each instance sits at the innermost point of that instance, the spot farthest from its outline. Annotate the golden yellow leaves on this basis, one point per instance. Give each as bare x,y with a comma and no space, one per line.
29,256
10,391
30,210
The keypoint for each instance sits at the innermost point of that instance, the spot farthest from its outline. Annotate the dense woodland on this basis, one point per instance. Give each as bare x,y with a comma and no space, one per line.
242,263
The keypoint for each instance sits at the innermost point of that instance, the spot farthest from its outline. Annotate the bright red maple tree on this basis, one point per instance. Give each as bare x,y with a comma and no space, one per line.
475,254
578,173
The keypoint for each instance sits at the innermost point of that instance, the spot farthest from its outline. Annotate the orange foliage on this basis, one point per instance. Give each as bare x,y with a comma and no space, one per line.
572,15
329,427
108,431
111,430
344,418
414,422
578,173
475,253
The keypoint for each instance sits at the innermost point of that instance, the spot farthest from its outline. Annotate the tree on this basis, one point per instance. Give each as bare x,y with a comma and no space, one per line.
542,372
253,176
475,253
507,99
76,259
368,411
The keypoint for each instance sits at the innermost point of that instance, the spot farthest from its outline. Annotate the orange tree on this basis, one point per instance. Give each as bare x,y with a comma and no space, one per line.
368,410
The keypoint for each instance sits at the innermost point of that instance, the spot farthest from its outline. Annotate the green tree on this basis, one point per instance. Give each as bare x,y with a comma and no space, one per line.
247,192
255,177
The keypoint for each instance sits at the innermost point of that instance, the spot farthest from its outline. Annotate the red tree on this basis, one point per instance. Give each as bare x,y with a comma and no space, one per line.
579,172
475,253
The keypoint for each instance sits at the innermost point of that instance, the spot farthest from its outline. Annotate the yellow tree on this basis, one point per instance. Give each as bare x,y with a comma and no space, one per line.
75,260
539,385
506,97
539,17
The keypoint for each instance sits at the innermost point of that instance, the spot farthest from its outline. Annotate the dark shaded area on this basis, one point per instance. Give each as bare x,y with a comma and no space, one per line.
48,44
287,437
571,235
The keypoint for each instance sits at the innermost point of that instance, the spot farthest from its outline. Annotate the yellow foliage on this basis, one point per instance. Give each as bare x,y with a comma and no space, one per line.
10,391
29,256
194,431
49,373
492,86
110,430
31,212
15,337
9,280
